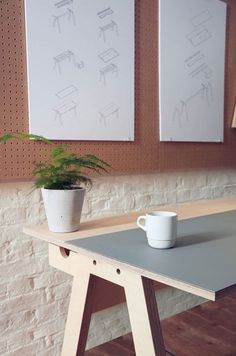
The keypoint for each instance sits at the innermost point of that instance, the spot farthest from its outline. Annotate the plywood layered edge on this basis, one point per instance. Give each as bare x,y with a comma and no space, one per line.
128,221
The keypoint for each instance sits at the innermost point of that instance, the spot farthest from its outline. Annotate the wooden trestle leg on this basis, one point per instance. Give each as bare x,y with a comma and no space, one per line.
79,315
144,317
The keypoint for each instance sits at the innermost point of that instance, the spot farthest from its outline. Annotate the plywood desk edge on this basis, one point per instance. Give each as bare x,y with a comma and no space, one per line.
128,221
92,228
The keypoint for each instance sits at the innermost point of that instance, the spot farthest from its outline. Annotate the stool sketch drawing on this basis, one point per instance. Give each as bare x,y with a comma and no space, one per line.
108,69
67,15
107,112
111,26
63,110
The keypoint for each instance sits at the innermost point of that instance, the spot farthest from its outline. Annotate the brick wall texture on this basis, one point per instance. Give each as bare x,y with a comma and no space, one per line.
34,297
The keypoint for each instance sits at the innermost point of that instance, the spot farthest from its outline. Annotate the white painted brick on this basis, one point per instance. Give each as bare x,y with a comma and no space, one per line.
166,181
54,325
171,197
142,201
39,247
201,193
21,303
157,198
99,204
57,292
25,267
192,180
12,216
20,286
30,349
50,278
218,179
101,186
230,190
3,347
183,195
12,322
18,338
3,291
121,205
44,313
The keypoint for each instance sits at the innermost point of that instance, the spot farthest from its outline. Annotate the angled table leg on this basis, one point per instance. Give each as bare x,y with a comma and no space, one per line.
140,297
79,315
144,317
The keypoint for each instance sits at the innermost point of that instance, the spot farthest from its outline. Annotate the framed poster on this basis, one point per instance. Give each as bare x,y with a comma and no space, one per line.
80,60
191,70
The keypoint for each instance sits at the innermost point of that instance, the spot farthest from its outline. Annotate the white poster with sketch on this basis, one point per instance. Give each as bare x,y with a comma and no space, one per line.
191,70
80,56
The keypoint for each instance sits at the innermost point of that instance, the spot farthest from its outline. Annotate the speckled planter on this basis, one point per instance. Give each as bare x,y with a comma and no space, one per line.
63,208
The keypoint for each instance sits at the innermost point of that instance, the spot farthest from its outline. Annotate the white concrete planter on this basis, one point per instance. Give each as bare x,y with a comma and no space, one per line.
63,208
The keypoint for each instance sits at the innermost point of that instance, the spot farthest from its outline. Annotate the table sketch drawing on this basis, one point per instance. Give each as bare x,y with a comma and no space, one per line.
181,111
63,3
189,110
108,69
63,93
201,18
200,33
82,51
69,56
111,26
106,12
109,111
63,109
194,58
202,68
197,37
68,15
108,55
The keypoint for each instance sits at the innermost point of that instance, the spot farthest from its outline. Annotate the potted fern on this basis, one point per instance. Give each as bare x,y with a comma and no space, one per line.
63,182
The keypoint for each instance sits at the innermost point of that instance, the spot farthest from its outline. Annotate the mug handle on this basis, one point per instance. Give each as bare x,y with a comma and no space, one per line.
143,227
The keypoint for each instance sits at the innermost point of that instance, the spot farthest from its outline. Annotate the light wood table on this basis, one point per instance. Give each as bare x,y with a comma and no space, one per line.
203,262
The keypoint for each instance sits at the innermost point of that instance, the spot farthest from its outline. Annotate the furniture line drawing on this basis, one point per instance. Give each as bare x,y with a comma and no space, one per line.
202,69
68,15
108,55
106,12
63,3
197,37
62,110
201,18
64,56
111,26
181,111
195,58
108,69
78,70
201,33
67,55
107,112
66,91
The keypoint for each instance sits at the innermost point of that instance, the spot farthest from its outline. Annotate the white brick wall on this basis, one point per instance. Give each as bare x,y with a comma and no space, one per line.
34,297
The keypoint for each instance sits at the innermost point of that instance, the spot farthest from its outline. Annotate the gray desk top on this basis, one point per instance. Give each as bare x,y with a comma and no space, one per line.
204,255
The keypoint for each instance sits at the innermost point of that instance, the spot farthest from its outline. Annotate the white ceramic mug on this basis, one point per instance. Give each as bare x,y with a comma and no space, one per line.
160,227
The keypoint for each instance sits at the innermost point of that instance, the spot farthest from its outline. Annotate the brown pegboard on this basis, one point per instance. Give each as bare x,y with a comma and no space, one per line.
146,153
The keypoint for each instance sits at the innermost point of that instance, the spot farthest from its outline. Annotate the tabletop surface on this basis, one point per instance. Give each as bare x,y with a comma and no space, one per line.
204,255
